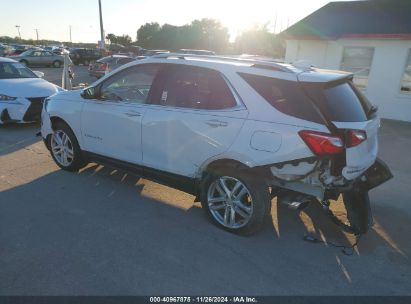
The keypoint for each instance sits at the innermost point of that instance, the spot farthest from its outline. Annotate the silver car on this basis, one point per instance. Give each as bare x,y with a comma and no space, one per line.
39,58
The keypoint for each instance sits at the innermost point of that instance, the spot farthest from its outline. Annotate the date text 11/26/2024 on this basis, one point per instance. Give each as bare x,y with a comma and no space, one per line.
240,299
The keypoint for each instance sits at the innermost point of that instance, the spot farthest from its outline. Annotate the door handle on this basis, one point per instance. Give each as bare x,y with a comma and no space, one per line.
132,113
215,123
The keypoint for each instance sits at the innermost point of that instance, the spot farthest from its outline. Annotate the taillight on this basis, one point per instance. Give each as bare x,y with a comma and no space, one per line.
355,137
322,143
102,66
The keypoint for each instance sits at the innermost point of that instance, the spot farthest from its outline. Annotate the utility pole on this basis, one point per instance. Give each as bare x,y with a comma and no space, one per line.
37,34
18,30
103,45
70,34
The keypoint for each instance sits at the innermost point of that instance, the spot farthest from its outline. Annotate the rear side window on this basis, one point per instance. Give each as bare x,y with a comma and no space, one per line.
339,102
284,95
196,88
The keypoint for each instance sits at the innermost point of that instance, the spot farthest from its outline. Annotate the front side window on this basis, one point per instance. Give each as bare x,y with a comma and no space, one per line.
36,54
358,60
130,85
406,77
196,88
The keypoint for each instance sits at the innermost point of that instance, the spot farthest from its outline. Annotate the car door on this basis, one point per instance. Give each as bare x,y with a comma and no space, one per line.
35,58
111,123
47,58
194,115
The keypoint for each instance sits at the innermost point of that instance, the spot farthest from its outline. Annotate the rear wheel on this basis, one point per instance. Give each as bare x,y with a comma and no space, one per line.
235,202
56,64
65,149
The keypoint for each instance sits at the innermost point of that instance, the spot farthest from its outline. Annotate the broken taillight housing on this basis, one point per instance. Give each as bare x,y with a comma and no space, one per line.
322,143
354,138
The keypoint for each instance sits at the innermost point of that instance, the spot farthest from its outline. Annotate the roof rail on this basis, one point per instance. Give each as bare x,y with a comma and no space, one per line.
261,64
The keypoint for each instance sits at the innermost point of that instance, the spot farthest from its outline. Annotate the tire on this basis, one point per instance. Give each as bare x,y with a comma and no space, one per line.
64,142
57,64
24,62
250,210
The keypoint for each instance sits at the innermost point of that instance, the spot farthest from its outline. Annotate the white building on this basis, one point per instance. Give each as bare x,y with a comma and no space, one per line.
370,38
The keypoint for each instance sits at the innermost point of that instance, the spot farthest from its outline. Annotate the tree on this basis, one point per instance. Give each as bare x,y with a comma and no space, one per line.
210,34
124,40
259,41
146,34
200,34
112,38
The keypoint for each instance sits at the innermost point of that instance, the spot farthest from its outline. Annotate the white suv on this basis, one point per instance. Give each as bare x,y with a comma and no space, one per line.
233,132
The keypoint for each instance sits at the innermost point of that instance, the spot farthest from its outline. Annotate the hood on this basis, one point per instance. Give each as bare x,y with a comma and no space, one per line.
27,87
69,95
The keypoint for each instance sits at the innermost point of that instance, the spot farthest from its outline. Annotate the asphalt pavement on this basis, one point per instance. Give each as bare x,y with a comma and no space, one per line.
54,75
104,232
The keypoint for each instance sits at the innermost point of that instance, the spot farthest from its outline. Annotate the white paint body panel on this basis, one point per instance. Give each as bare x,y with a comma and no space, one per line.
179,140
112,129
361,157
185,141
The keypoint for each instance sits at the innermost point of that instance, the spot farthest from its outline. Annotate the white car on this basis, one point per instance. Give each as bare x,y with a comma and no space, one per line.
22,92
233,132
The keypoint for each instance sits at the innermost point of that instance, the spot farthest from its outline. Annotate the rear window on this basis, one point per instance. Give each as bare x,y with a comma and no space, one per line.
284,95
339,102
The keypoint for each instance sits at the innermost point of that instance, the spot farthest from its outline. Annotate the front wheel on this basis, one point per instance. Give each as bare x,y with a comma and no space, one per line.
65,149
235,202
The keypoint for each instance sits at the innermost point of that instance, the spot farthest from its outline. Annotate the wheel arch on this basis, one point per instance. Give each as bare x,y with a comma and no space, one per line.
55,119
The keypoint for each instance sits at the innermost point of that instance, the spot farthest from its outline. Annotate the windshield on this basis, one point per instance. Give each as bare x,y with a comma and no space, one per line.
10,70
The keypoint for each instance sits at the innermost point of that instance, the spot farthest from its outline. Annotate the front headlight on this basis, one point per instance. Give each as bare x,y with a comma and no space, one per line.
6,98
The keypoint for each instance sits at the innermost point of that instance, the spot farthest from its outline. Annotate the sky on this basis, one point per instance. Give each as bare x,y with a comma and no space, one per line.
53,18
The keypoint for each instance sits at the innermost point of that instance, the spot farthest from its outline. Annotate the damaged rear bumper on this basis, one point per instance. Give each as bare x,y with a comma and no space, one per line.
375,175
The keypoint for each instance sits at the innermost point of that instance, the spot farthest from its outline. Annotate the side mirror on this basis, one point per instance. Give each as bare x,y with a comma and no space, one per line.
39,74
89,93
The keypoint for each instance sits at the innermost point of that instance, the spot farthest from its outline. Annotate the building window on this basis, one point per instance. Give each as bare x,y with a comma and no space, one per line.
406,77
357,60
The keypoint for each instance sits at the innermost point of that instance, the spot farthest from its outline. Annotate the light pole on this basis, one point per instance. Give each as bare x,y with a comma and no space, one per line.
70,34
37,34
103,45
18,30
